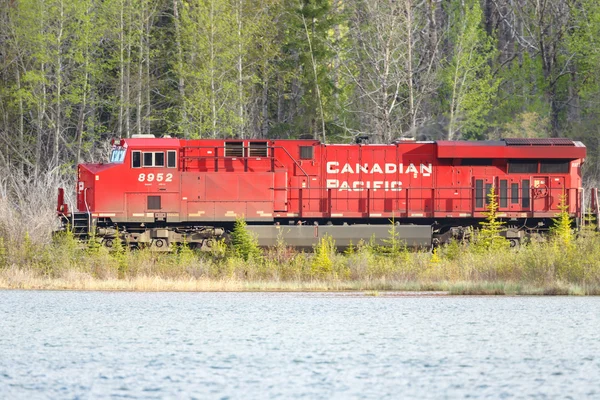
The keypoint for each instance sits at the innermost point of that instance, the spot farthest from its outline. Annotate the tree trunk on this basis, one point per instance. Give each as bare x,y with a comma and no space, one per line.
121,68
180,81
240,79
58,77
140,78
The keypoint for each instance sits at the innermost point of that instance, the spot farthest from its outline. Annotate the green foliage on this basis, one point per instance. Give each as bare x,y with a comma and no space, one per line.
29,254
527,125
489,236
350,250
93,244
217,248
453,250
435,256
583,42
242,243
589,228
120,256
281,252
73,71
66,239
306,60
322,260
562,228
522,112
66,254
470,85
3,253
185,255
537,267
396,246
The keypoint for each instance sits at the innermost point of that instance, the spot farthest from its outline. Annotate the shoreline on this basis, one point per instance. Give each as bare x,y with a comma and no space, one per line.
18,279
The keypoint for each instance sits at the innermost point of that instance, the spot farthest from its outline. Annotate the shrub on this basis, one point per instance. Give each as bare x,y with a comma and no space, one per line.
395,246
561,230
185,255
489,237
120,256
322,264
217,248
3,255
243,244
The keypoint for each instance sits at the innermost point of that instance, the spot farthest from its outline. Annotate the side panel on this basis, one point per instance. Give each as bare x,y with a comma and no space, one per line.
379,181
232,195
147,206
345,189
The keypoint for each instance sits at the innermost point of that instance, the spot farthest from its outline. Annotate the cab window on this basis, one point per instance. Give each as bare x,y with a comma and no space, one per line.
153,159
171,160
148,159
136,159
159,159
141,159
117,155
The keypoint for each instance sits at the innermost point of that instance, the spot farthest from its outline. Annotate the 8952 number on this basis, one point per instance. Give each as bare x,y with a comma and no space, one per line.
160,177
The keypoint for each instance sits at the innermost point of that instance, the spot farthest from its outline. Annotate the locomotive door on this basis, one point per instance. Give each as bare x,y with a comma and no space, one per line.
519,196
556,187
502,195
482,188
540,193
547,192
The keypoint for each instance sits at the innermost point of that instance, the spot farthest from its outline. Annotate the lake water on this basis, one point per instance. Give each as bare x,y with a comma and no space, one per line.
63,345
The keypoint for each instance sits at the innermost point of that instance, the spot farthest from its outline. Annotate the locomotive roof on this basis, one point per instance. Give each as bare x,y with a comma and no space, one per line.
552,148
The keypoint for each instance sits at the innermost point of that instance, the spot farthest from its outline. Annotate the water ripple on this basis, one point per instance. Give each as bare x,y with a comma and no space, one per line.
278,345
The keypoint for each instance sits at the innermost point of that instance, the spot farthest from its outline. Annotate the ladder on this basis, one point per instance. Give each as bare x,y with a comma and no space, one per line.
80,224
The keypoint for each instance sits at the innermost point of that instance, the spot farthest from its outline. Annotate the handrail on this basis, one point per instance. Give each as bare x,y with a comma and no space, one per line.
267,157
87,209
465,195
295,162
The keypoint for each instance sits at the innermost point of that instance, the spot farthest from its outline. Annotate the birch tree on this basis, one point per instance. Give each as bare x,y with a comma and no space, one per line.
392,65
209,42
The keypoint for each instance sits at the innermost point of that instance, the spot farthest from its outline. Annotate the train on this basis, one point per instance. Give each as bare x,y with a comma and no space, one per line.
159,191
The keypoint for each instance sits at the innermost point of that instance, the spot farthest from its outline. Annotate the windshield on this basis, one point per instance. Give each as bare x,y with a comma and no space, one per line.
117,155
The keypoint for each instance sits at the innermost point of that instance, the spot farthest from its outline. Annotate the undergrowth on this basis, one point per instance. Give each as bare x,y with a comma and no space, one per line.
564,263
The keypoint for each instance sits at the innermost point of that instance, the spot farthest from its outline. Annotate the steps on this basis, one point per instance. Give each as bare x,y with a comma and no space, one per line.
80,224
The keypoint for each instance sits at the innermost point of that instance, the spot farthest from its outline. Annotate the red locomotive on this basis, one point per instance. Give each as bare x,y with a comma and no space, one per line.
158,191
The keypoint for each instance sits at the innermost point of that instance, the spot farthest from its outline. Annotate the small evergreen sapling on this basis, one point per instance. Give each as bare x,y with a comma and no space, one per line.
561,229
322,263
243,244
3,253
119,254
490,236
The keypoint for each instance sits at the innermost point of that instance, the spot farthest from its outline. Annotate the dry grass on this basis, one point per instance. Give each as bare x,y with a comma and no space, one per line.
18,278
27,279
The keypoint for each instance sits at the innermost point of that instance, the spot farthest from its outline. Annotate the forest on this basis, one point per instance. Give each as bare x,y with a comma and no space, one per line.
76,73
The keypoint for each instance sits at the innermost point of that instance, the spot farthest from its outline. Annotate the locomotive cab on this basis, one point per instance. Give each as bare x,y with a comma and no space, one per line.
138,183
